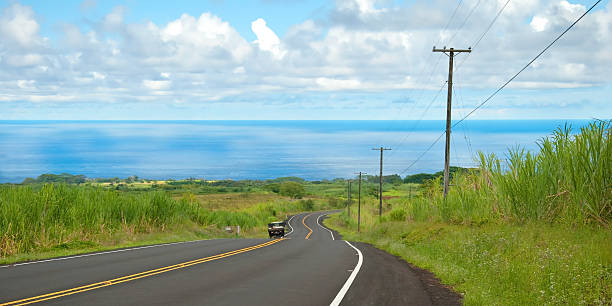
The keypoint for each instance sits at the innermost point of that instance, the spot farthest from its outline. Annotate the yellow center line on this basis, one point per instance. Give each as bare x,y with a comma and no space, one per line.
131,277
304,222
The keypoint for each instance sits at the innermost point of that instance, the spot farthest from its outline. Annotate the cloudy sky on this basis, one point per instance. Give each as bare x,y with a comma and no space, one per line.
292,59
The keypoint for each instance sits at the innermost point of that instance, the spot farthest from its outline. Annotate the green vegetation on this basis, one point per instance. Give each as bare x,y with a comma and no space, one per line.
498,264
568,181
291,189
57,178
534,229
52,218
421,178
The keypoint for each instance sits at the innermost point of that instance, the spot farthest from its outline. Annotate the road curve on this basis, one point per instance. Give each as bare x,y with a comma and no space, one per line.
310,266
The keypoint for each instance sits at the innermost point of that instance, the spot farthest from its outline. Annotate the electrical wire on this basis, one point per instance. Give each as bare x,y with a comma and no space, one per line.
414,126
528,64
465,21
461,105
474,45
423,154
465,128
428,79
503,86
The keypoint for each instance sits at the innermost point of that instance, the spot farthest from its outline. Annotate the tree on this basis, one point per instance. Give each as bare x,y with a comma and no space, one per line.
372,190
292,189
274,187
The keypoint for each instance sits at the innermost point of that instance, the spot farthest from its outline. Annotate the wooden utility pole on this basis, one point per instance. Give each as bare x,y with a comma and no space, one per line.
359,206
349,199
451,55
380,188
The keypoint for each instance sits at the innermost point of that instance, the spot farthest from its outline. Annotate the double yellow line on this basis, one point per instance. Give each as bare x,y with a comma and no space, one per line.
115,281
304,222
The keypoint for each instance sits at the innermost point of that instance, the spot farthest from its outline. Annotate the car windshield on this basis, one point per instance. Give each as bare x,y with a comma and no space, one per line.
275,224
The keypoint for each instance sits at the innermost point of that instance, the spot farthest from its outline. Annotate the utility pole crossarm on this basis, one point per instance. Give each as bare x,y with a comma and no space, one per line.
468,50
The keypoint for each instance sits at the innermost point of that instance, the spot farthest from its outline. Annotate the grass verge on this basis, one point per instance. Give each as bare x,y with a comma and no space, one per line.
501,264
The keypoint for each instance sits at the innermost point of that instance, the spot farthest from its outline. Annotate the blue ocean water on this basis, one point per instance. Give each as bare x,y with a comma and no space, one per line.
251,149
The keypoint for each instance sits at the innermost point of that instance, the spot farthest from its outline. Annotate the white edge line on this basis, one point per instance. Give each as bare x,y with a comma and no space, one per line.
330,232
289,222
350,280
99,253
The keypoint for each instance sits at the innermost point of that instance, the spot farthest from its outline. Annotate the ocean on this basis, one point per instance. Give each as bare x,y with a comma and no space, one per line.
213,150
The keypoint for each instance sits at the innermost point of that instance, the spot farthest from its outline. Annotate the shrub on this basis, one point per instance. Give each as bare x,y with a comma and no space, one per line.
291,189
274,187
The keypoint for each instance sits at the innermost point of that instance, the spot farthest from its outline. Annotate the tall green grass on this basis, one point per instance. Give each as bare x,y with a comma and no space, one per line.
34,218
568,180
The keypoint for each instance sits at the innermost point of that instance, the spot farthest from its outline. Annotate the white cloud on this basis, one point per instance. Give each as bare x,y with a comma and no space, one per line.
19,26
557,14
26,84
538,23
266,38
337,84
114,20
24,60
206,36
573,69
98,76
363,7
156,85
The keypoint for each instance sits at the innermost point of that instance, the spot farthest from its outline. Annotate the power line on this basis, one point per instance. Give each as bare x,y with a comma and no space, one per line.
490,25
421,91
452,16
423,154
528,64
474,45
465,128
503,86
464,21
414,126
434,68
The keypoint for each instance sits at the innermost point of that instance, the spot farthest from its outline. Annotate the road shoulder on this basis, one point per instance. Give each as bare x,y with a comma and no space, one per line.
389,280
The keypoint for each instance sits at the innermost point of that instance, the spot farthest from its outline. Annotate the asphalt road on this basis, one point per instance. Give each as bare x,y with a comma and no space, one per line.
310,266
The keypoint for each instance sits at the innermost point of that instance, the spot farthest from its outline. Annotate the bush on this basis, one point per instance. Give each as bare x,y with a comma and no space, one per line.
274,187
335,202
292,189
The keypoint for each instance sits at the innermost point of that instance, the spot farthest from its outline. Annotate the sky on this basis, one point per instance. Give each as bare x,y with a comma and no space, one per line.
291,59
